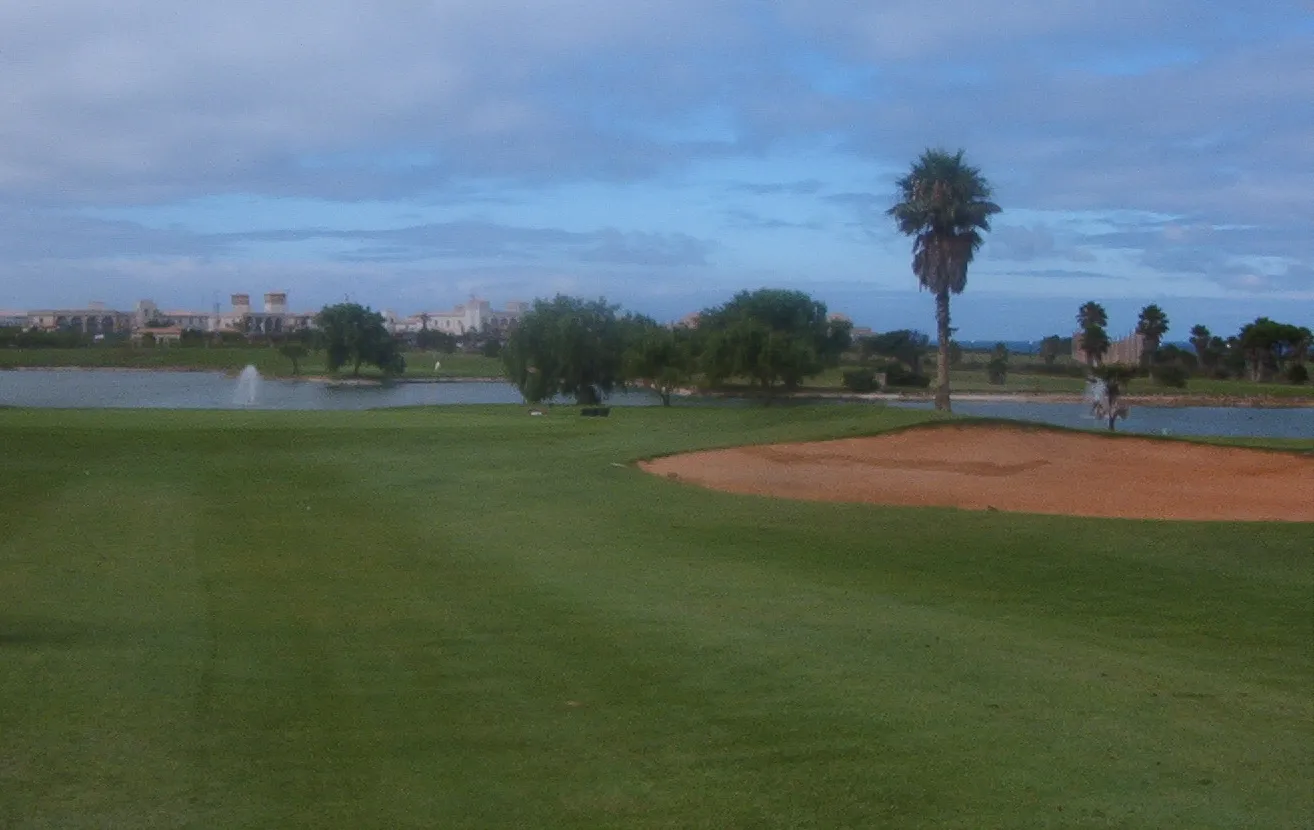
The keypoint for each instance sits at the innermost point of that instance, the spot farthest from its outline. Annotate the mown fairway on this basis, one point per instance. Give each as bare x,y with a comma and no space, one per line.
472,618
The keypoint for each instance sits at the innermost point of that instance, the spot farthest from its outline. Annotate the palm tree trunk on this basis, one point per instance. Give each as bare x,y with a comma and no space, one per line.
942,334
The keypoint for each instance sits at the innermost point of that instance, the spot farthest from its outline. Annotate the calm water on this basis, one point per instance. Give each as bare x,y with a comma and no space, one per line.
204,390
210,390
1239,422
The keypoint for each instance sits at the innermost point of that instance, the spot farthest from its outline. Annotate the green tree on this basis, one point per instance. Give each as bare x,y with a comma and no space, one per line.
437,341
997,368
1200,340
660,358
1091,319
1152,325
1268,346
904,345
355,334
1053,347
770,336
566,346
944,205
294,352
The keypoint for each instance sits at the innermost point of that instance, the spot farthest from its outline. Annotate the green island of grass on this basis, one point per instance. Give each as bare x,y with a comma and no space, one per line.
466,617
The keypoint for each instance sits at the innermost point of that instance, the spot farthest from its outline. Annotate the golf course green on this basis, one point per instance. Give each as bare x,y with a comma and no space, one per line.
464,617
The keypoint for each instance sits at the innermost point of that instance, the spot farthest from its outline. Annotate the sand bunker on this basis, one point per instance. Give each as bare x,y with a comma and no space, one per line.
1017,469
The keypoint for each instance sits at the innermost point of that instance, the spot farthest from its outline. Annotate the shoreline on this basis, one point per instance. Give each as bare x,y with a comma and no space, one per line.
1166,400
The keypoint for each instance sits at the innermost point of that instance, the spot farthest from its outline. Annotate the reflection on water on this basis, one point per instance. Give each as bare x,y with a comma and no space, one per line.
211,390
206,390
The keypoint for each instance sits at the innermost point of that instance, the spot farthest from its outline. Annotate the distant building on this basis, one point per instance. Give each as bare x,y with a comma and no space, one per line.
274,318
476,315
13,319
1128,350
95,318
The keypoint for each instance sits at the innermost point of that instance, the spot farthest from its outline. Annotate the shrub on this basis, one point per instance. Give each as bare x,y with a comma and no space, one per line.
1297,373
861,380
896,374
1171,375
997,370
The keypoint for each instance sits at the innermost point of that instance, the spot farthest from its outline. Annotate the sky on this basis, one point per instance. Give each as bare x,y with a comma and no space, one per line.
406,154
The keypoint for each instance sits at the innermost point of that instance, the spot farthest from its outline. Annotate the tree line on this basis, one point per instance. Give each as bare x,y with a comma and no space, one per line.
769,339
1262,350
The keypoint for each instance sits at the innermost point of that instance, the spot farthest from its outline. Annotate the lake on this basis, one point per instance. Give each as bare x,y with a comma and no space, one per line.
209,390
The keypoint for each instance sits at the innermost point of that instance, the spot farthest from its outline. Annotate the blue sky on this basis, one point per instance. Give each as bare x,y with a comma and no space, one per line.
661,153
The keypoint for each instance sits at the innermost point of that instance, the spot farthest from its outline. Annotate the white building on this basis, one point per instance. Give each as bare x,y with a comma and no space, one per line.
477,315
97,319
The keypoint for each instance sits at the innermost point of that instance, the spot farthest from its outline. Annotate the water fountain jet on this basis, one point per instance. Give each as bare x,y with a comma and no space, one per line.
248,387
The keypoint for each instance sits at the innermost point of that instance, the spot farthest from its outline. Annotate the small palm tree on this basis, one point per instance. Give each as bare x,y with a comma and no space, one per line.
1152,325
944,205
1112,380
1094,339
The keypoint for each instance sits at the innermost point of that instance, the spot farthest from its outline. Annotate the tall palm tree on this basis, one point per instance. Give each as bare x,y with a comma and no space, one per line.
944,205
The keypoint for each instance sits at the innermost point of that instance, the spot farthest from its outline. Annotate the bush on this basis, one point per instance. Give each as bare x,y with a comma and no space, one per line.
1171,375
997,370
861,380
896,374
1297,373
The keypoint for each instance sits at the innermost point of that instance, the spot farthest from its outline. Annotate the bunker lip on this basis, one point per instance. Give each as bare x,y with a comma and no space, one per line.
1017,469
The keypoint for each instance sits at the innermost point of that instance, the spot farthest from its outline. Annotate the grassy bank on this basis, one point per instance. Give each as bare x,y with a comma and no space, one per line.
467,617
234,359
974,379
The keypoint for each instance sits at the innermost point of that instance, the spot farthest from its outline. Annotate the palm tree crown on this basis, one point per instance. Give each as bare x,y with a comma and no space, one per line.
944,205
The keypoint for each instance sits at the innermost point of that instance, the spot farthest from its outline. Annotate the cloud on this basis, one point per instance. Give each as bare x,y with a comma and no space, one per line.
745,219
1021,244
805,187
1172,140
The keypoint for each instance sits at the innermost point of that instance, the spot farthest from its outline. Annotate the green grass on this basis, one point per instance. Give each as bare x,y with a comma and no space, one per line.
467,617
233,359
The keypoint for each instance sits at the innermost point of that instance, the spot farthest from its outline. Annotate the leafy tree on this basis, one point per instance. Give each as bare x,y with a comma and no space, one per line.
1268,345
904,345
1152,326
294,352
1054,346
659,357
492,347
1200,341
1113,379
1171,355
434,340
944,205
997,368
770,336
566,346
355,334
